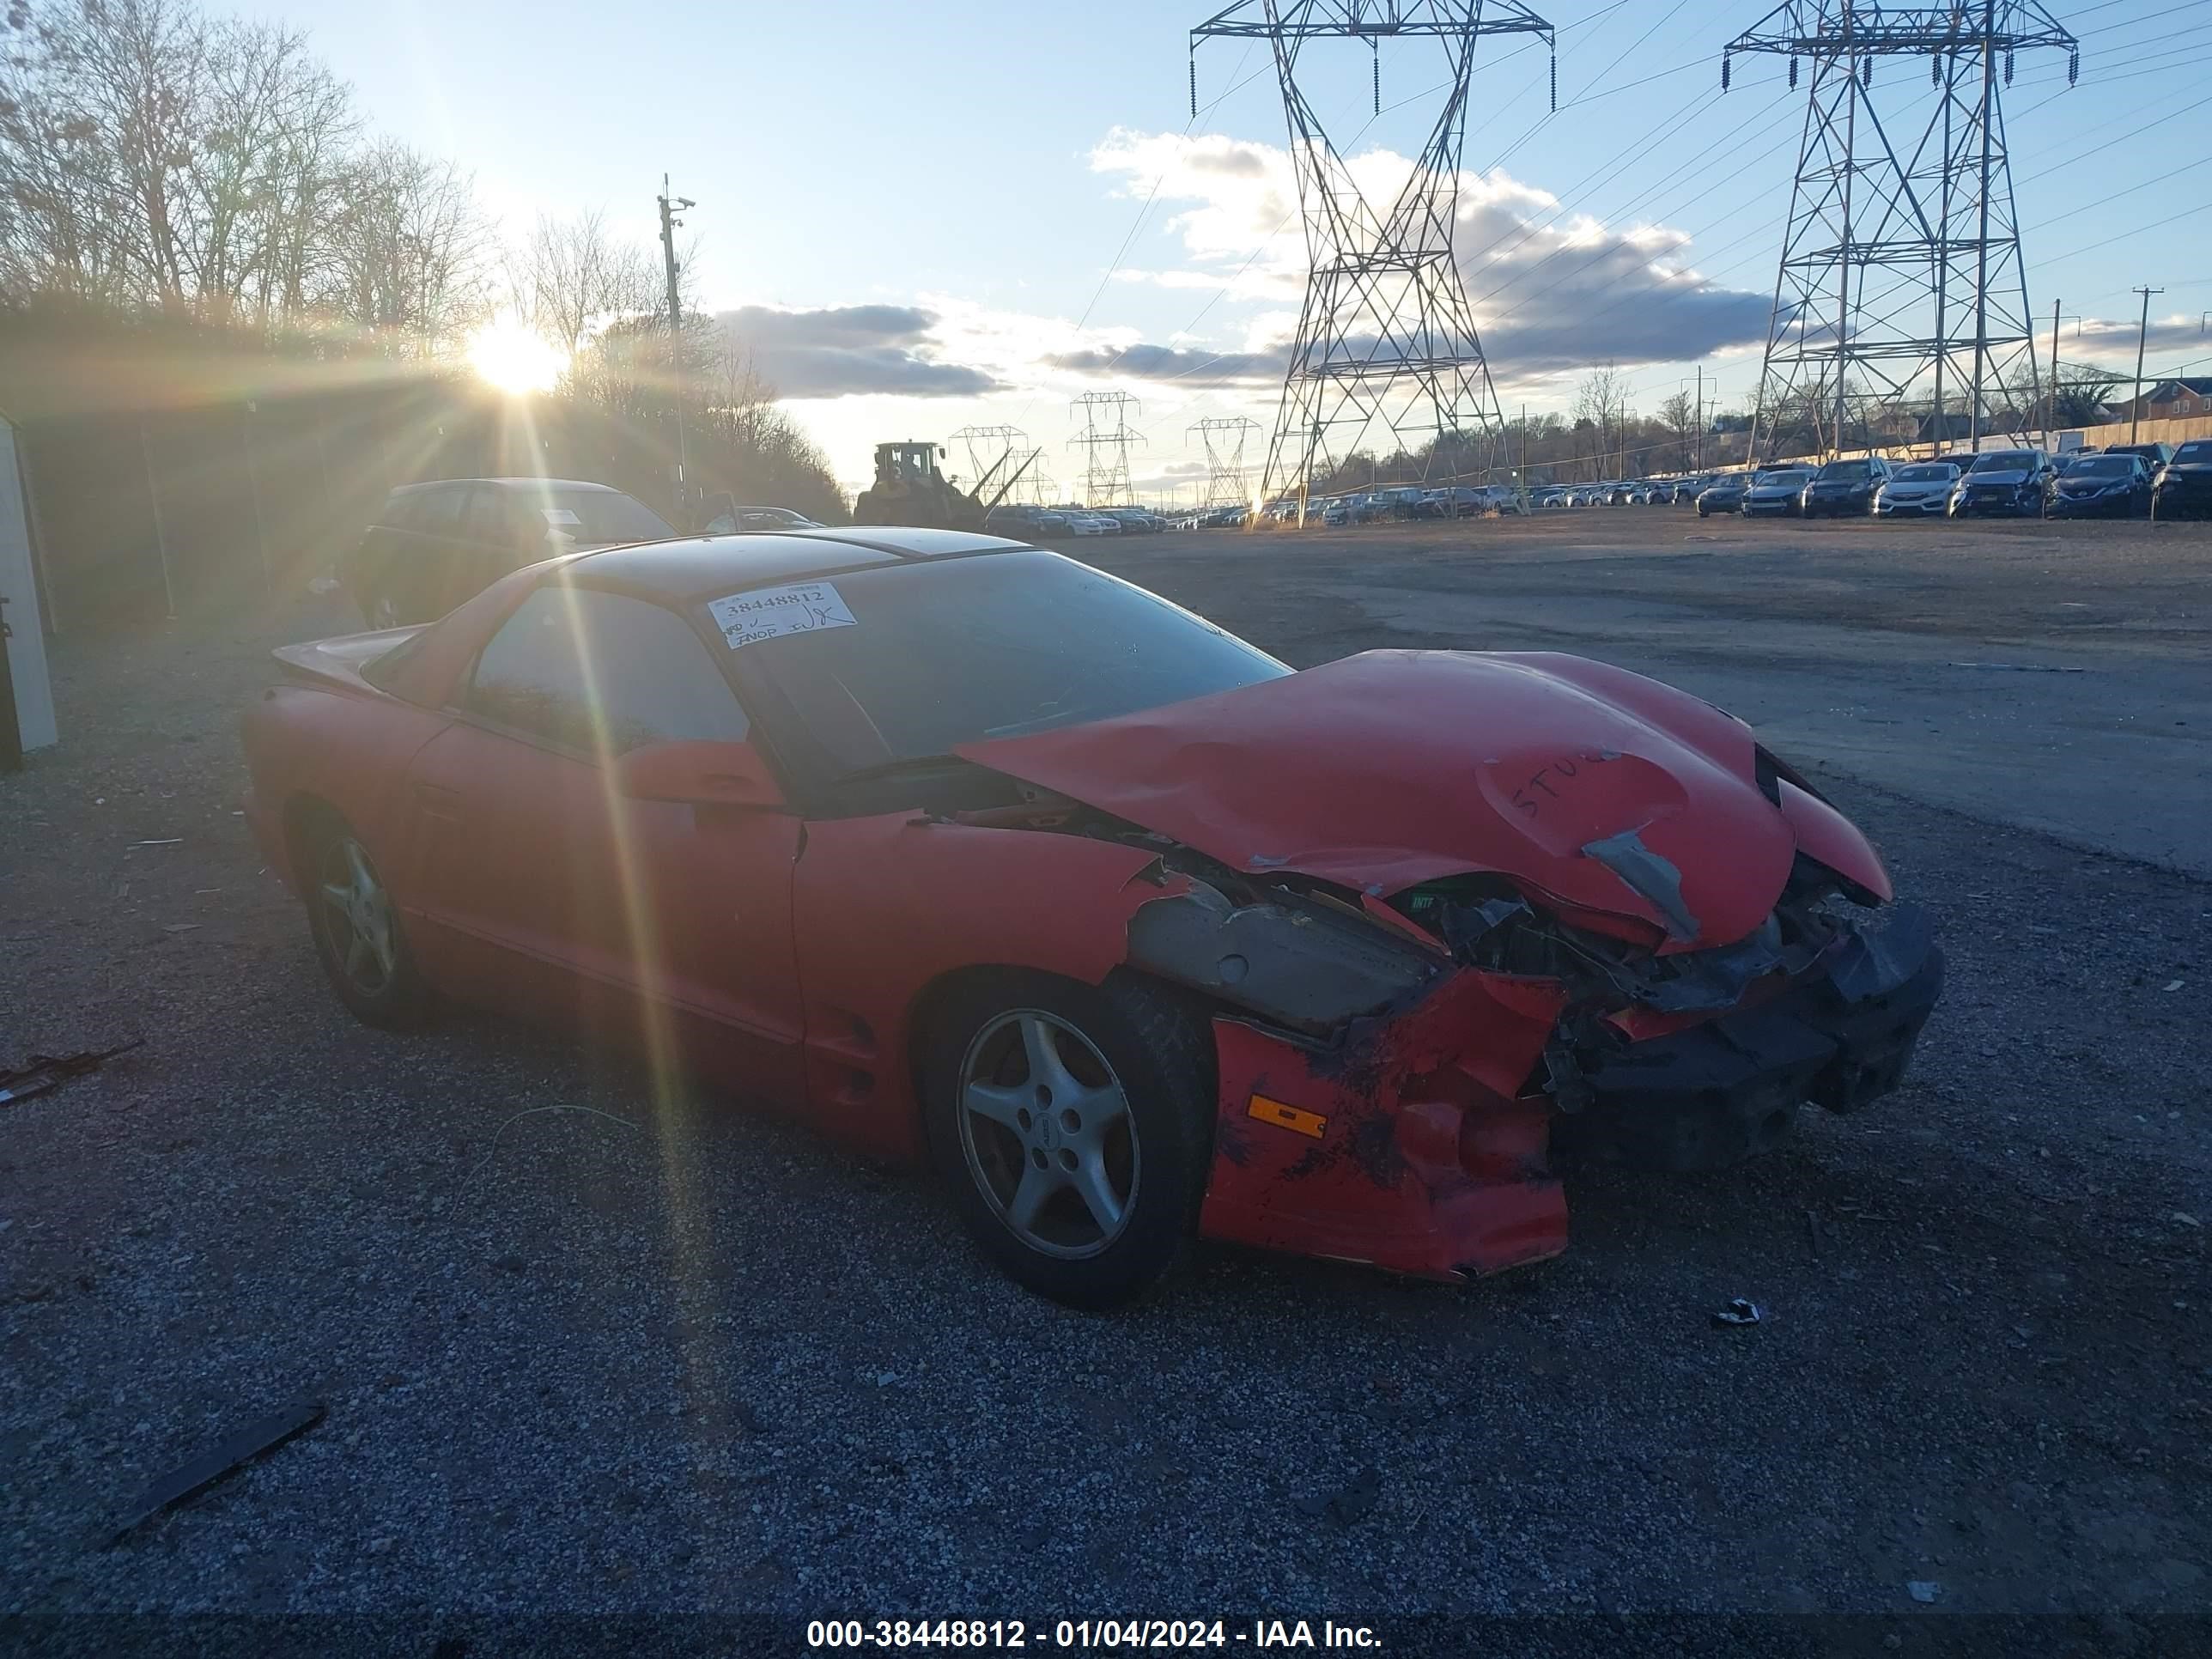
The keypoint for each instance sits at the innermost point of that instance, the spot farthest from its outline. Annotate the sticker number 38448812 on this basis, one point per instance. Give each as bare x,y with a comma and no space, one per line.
769,613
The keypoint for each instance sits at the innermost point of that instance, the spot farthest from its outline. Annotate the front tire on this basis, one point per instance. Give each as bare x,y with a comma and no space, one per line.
1074,1126
356,925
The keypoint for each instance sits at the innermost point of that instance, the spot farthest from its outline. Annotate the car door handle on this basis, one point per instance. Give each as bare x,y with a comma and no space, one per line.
436,798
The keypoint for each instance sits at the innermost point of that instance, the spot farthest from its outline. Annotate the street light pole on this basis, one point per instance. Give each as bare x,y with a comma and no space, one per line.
670,205
2143,333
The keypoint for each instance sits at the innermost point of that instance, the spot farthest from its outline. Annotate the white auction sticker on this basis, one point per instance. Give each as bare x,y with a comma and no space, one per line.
769,613
559,517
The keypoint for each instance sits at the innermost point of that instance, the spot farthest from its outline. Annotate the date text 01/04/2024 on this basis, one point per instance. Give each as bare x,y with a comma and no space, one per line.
1087,1634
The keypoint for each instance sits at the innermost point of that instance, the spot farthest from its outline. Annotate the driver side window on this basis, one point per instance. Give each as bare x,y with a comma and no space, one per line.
601,674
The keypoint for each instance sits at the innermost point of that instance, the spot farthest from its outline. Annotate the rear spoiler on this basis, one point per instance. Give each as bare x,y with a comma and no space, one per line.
335,664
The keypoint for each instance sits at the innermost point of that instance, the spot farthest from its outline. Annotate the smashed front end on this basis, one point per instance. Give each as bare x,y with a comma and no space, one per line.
1394,1076
1453,909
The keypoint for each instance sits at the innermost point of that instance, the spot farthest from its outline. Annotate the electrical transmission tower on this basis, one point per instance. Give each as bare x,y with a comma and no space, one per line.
1105,441
1901,283
1386,334
1034,484
1224,437
988,448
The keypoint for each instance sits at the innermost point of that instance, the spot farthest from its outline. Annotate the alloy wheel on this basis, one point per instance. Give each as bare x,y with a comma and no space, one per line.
1047,1133
358,918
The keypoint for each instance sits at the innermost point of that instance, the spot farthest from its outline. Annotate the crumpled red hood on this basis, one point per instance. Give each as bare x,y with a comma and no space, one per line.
1393,768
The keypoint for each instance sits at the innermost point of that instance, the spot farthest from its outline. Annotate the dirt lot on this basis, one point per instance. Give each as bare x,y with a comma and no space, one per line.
591,1362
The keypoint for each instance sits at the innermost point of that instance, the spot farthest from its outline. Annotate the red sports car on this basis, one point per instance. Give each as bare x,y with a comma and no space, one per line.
965,850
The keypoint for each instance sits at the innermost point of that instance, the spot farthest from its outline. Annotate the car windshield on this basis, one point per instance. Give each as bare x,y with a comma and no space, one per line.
597,517
2103,466
1788,475
2199,451
950,653
1931,472
2004,460
1850,471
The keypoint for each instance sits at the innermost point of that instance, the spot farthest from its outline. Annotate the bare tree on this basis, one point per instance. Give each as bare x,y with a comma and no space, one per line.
148,156
1598,401
411,253
1680,412
573,277
271,172
136,70
58,224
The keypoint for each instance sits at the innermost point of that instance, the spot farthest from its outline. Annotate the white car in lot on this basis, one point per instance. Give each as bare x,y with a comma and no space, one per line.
1082,521
1920,489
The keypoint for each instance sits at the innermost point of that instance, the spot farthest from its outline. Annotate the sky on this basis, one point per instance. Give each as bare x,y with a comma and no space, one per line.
929,219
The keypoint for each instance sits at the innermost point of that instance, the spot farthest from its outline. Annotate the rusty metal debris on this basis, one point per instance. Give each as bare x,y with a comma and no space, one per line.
1739,1312
44,1072
190,1479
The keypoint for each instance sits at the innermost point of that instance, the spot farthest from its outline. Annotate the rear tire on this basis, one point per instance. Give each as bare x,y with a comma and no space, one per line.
357,928
1074,1126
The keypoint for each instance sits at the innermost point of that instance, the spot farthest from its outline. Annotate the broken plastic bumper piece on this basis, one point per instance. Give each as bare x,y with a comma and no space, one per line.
1719,1091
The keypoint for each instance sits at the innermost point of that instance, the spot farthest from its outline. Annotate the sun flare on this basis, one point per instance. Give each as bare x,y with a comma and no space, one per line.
507,355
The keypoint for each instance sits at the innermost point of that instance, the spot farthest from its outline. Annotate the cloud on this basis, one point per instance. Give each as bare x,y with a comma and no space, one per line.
845,351
1142,361
2112,344
1552,293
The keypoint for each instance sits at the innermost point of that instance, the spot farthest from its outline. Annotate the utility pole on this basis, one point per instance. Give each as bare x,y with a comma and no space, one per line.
2143,333
670,206
1697,418
2051,406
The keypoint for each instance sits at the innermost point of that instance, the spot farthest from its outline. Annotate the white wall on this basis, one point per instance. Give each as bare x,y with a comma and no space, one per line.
27,639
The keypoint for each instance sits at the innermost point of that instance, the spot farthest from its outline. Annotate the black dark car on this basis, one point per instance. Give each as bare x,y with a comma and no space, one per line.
2110,486
436,545
1724,495
2184,485
2155,456
2003,481
1845,487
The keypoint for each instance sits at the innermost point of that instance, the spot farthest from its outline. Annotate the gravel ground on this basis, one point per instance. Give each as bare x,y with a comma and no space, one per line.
623,1358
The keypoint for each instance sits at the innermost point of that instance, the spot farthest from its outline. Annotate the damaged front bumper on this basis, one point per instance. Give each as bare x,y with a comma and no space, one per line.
1409,1147
1718,1092
1418,1141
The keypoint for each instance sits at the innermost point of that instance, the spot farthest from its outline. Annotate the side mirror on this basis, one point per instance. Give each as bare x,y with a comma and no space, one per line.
699,774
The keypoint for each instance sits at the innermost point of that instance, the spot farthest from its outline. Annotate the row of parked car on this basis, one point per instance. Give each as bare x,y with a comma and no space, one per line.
1018,520
2124,480
1615,492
